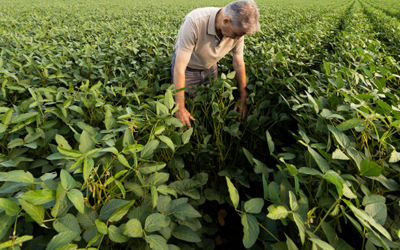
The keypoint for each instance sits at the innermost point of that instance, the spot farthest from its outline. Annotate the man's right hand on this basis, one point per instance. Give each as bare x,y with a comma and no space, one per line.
184,116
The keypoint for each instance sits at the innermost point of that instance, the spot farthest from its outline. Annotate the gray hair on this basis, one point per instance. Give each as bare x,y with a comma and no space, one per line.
244,15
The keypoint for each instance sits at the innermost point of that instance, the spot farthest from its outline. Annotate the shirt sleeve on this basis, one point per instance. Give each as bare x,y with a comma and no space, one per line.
238,49
187,36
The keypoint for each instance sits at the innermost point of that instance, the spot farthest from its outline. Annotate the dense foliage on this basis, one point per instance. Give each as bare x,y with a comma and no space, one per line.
92,156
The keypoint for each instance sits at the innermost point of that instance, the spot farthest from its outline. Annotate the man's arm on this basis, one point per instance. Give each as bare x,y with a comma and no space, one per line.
239,67
181,62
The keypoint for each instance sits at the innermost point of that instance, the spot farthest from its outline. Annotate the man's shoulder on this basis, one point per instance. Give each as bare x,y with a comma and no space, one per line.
201,13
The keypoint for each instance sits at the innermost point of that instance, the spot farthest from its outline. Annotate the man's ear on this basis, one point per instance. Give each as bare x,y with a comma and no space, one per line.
226,20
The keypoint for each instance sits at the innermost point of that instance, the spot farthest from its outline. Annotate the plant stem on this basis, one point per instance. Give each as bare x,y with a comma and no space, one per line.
327,213
268,231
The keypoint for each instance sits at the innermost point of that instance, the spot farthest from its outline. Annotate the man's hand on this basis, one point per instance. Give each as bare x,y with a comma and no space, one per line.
184,116
242,107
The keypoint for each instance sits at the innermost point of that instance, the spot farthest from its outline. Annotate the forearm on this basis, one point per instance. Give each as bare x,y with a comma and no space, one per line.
179,82
241,78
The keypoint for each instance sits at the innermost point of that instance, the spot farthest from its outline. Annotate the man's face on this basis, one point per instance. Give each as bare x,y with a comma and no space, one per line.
230,31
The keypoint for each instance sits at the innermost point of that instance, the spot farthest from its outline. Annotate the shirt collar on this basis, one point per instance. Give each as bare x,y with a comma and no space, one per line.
211,23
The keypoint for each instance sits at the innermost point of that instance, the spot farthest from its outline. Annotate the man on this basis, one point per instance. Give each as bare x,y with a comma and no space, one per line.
206,35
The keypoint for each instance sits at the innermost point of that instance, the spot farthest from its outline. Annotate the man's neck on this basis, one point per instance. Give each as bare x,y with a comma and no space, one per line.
218,22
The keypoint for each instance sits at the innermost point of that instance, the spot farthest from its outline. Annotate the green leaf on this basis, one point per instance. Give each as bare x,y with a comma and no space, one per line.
128,138
339,81
101,227
15,143
121,211
331,235
165,190
6,119
133,228
39,196
231,75
249,156
254,205
186,234
156,242
116,235
314,103
378,211
159,130
149,149
277,212
370,168
250,230
372,199
61,239
110,207
348,193
35,211
67,181
93,153
18,241
3,128
123,161
86,143
335,179
322,244
5,223
62,204
111,150
168,99
167,141
151,167
186,136
321,162
362,215
327,67
349,124
87,219
185,211
62,142
66,223
173,247
89,129
121,187
394,156
76,197
293,201
290,244
92,236
342,139
10,207
162,203
310,171
233,193
388,183
339,155
16,176
88,164
109,120
23,117
67,152
271,145
300,225
154,196
155,222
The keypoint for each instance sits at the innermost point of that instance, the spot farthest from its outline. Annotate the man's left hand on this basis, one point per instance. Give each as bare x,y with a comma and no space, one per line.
242,105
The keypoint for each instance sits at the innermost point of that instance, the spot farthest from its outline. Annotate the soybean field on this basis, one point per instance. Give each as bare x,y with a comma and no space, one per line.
92,156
